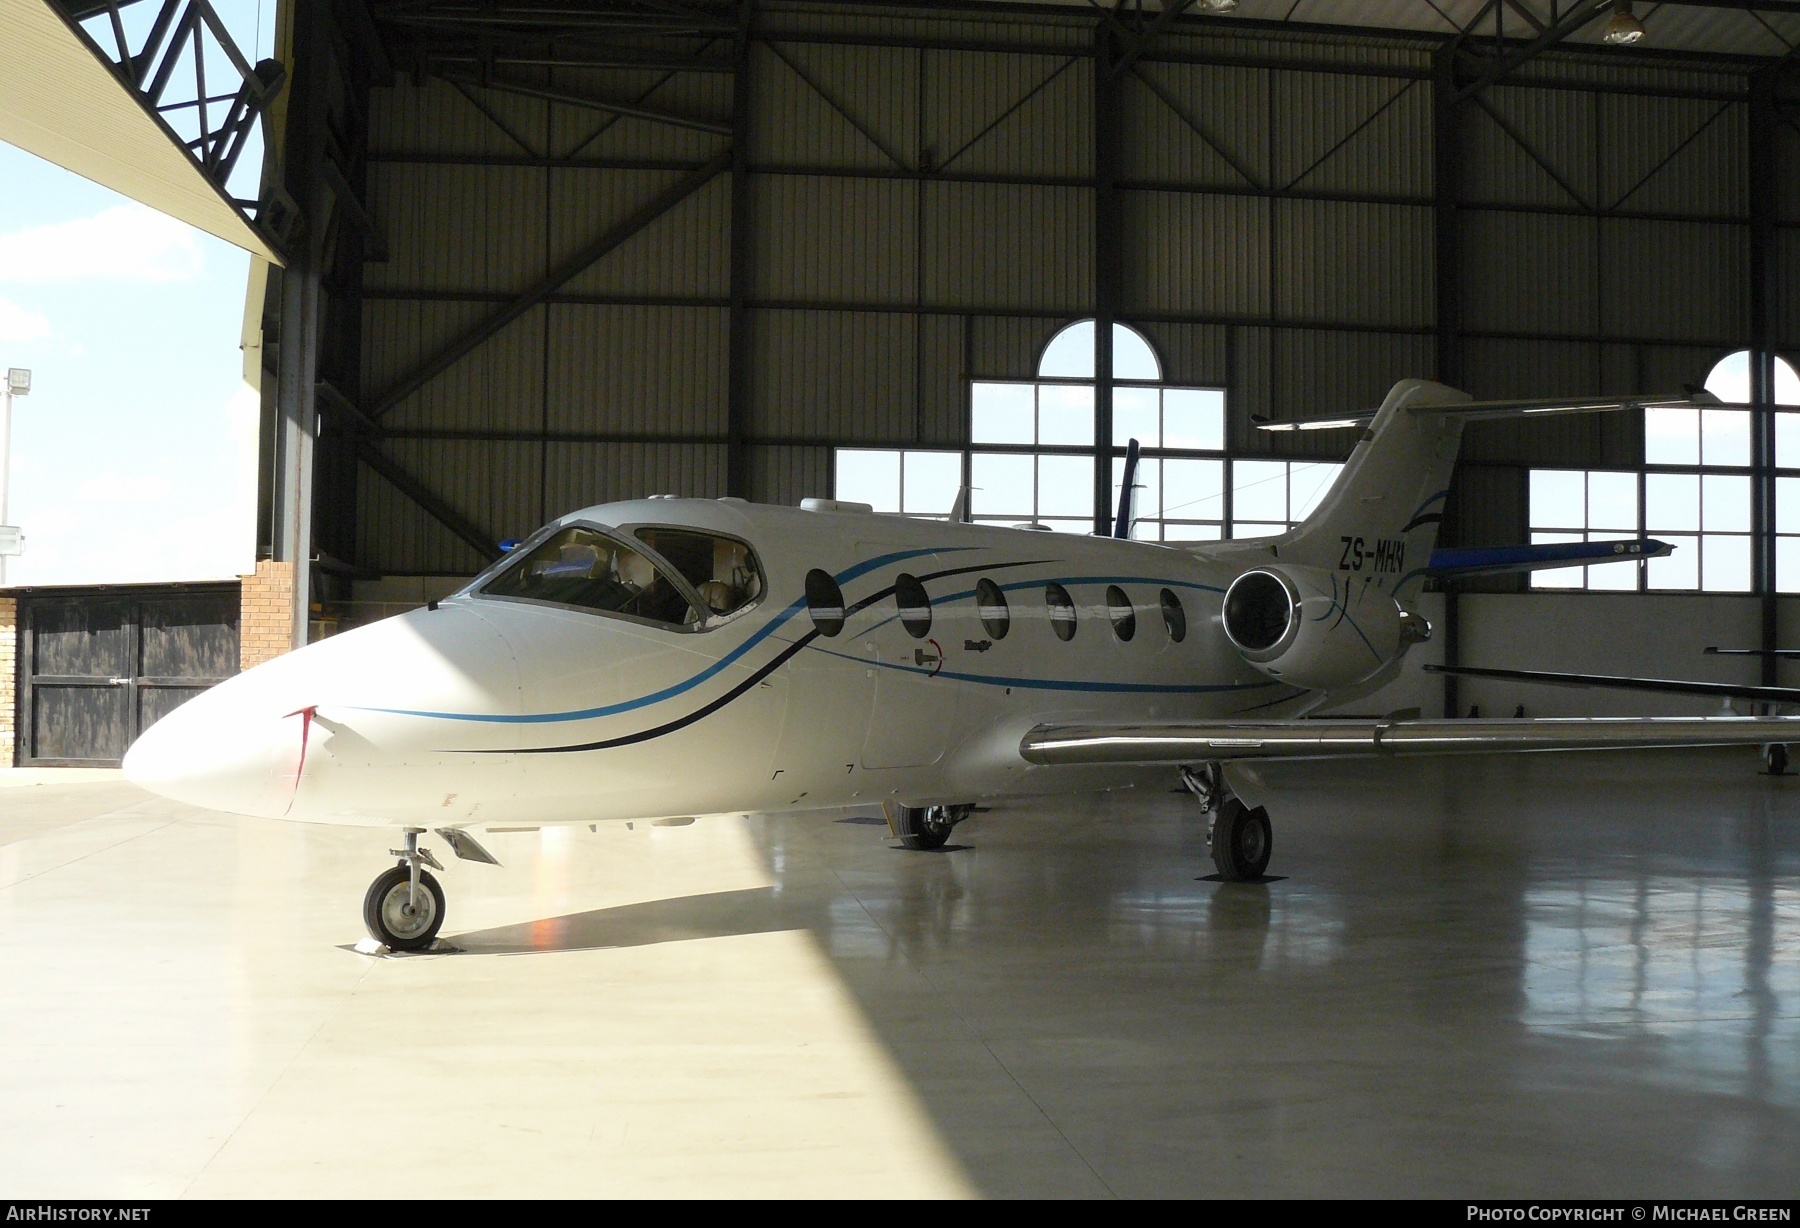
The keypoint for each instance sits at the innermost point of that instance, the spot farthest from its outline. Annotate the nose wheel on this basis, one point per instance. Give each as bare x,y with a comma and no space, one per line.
404,907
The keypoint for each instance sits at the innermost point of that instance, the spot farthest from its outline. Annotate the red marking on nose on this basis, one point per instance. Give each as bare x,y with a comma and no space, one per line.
306,715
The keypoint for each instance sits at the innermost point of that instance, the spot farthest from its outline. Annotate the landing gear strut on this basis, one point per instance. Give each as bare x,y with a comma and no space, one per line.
924,827
404,908
1241,838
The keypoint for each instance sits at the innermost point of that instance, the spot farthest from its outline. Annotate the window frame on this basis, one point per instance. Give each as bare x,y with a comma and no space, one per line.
477,588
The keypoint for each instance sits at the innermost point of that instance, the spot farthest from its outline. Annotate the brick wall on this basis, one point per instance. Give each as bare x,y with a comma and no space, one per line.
266,613
9,641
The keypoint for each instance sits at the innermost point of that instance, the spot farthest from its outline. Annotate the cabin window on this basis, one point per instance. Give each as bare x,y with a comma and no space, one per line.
1124,617
990,603
722,570
1174,617
584,568
1061,610
915,605
825,601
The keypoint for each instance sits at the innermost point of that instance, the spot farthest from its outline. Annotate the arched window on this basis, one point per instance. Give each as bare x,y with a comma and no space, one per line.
1032,451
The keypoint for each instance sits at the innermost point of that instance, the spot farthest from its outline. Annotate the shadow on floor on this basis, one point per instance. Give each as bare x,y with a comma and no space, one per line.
721,914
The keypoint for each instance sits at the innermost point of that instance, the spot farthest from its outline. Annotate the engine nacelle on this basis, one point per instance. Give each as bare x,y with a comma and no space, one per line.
1316,630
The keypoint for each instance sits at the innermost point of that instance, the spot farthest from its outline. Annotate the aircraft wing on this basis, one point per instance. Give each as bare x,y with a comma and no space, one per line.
1619,682
1202,741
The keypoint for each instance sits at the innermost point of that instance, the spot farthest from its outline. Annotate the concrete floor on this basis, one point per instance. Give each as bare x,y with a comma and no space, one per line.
1552,976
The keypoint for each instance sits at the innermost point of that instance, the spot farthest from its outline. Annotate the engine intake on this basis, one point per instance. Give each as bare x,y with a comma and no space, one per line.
1312,629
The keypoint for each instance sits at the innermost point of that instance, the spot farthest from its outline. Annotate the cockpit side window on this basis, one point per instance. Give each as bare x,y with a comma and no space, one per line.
581,567
722,570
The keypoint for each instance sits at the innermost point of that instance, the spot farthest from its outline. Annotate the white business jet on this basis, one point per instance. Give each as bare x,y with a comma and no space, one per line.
672,657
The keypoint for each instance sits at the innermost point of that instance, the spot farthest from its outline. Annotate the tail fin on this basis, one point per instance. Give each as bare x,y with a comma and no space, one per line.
1380,518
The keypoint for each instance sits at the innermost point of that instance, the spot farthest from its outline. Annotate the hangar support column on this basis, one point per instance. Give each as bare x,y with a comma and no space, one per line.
286,486
1763,275
1446,149
1106,263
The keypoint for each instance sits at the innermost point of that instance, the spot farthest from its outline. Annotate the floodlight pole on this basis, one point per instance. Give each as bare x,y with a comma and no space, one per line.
6,451
5,465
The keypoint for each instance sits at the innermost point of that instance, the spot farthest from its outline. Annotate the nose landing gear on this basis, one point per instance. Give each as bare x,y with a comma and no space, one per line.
404,907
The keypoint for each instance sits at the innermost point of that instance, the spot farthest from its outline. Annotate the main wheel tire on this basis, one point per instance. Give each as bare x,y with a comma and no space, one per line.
391,922
923,827
1775,759
1241,841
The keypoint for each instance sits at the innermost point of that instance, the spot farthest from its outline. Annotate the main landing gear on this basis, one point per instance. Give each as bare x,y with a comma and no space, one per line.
1240,837
924,827
404,908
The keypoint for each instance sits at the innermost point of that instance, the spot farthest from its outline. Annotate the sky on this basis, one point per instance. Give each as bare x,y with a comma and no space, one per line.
134,456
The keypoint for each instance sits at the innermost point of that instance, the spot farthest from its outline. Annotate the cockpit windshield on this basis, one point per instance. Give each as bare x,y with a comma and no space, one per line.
578,566
722,570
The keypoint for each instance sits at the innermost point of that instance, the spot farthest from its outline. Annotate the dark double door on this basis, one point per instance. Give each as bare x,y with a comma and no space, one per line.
98,668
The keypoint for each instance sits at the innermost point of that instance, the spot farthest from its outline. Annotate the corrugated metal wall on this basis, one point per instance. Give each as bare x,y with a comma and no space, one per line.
922,207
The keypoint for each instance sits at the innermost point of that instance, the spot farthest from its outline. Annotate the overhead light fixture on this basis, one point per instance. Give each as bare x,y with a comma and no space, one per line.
1218,6
1624,29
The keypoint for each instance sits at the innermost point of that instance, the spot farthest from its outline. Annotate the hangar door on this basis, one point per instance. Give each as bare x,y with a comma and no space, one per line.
98,667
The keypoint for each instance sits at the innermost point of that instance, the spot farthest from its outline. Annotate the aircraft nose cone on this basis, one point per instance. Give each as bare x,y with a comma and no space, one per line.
222,754
258,742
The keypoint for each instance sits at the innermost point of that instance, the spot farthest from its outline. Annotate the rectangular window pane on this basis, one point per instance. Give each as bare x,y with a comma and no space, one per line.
1066,487
1671,437
1176,531
1787,441
1002,485
1787,505
1613,503
1613,577
1194,489
1672,501
1070,526
1680,569
1194,418
1258,491
1725,564
929,482
1002,413
1787,564
1066,415
1558,499
1308,484
1135,416
1725,504
1557,577
1240,529
868,476
1724,437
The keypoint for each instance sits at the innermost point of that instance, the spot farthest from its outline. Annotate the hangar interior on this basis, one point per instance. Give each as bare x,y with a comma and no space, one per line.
557,257
536,256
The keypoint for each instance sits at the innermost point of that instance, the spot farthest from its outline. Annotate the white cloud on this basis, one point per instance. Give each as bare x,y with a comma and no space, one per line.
21,324
126,243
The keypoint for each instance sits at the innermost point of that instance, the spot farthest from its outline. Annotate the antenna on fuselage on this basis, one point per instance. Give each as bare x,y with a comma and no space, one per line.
959,511
1127,492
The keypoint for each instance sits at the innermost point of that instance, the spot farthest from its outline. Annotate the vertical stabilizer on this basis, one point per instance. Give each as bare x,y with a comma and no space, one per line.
1380,518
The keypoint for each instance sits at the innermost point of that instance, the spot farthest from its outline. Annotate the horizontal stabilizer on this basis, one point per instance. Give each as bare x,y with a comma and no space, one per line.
1666,686
1308,739
1475,411
1492,560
